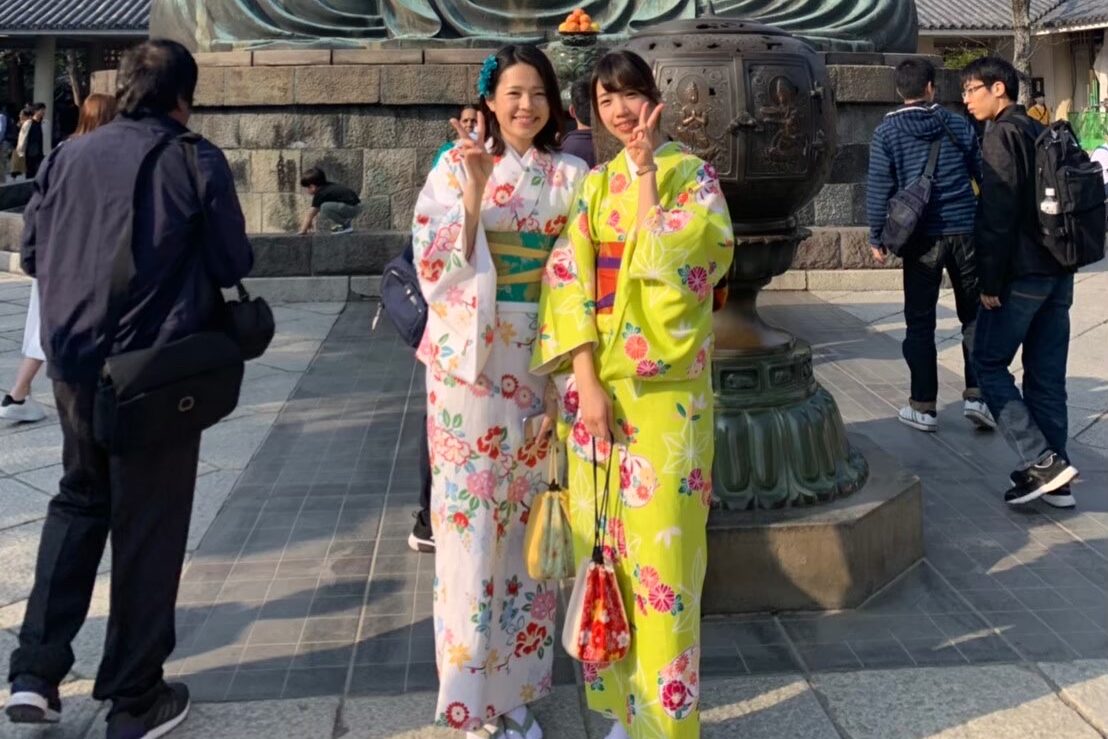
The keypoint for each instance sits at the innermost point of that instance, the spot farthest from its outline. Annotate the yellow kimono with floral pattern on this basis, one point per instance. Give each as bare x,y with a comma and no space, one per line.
653,349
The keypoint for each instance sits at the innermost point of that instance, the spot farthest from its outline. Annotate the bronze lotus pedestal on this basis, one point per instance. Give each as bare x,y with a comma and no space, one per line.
757,104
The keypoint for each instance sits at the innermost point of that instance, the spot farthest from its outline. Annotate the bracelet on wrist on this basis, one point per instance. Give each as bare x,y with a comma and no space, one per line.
647,169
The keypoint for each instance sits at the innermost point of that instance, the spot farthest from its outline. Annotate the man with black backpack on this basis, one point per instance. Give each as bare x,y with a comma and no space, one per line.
1026,292
123,195
923,141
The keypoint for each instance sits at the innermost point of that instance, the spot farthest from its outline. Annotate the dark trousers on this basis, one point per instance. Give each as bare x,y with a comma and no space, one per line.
923,277
1034,312
424,476
143,502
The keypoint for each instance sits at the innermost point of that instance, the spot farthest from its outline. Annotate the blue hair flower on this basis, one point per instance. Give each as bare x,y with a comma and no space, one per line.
484,81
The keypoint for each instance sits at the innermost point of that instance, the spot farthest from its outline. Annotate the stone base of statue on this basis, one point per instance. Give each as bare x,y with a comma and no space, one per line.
781,449
822,557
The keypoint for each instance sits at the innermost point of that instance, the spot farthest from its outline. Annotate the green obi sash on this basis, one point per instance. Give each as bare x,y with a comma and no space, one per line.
520,258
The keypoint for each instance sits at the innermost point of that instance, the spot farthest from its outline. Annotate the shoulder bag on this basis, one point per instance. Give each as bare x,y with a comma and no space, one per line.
165,394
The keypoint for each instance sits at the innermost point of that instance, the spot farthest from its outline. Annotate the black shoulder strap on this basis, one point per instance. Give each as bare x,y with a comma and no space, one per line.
123,261
958,144
189,141
932,159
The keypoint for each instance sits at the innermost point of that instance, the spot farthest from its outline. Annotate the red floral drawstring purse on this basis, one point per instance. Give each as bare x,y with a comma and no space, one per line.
596,628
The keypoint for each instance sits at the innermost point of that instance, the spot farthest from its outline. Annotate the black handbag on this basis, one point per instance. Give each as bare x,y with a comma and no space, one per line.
169,393
402,299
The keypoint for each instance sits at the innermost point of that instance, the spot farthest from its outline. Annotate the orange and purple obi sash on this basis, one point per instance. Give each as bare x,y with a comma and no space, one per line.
608,261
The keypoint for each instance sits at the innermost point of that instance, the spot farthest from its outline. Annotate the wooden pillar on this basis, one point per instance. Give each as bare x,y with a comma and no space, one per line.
45,74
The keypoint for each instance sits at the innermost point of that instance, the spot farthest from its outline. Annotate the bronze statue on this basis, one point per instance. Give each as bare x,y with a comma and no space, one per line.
210,25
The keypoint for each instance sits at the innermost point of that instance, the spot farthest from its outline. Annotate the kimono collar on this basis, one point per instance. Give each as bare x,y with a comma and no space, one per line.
524,160
632,170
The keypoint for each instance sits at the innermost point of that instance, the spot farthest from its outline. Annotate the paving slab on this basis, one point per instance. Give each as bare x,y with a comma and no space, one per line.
43,479
18,550
305,718
20,503
1084,684
231,444
30,447
953,703
762,708
409,716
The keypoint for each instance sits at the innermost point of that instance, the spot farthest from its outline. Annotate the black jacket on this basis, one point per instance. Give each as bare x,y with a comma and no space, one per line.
84,195
35,146
1006,232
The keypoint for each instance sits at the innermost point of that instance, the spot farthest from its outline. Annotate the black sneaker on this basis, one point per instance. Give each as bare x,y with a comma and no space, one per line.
1037,480
422,539
169,710
33,701
1060,498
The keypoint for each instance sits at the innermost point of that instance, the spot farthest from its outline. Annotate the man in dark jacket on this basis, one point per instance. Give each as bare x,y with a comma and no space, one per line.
130,175
579,141
1025,293
898,155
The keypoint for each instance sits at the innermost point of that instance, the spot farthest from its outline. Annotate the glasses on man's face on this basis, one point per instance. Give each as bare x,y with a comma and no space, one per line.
966,92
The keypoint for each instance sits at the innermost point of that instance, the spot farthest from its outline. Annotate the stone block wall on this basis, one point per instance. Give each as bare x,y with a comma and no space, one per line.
372,119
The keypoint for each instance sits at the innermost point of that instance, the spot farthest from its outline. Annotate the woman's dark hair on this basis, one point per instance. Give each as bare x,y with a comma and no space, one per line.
621,71
990,70
547,139
313,176
154,77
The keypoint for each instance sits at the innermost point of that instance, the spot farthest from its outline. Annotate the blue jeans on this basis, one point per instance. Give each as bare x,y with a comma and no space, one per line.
1034,313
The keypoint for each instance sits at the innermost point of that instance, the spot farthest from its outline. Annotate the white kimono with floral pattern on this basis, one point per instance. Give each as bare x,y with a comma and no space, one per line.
494,626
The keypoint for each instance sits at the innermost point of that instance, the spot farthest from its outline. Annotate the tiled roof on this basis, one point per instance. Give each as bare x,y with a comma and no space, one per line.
74,16
996,15
1076,13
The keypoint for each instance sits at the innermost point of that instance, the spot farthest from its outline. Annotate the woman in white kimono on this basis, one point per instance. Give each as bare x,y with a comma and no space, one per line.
485,223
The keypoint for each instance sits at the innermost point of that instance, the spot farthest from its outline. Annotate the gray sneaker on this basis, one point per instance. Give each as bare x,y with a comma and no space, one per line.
27,410
919,420
978,413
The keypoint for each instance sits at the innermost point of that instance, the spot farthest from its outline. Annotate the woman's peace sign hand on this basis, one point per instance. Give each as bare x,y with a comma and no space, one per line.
645,138
476,159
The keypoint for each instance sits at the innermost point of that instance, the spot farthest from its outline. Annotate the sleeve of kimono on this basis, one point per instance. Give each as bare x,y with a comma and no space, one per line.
460,292
678,255
567,308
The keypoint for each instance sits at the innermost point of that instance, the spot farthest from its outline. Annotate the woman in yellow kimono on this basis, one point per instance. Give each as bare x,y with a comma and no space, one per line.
627,306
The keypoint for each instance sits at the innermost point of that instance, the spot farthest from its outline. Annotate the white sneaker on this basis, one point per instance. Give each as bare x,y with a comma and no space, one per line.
27,410
919,420
617,732
978,413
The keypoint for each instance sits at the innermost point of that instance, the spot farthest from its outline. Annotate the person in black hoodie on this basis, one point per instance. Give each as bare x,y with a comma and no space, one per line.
1025,293
898,155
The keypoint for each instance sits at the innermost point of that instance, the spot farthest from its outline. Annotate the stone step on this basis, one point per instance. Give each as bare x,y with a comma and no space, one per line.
9,261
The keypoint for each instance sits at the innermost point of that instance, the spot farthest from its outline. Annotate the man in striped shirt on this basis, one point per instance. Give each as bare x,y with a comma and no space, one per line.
944,240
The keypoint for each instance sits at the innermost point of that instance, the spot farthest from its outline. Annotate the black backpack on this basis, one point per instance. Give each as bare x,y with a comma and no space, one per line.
1075,237
906,207
402,299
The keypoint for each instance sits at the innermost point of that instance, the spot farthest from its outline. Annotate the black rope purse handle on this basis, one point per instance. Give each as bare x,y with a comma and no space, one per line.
602,504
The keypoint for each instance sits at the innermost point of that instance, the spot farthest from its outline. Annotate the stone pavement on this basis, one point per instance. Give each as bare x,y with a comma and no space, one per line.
303,614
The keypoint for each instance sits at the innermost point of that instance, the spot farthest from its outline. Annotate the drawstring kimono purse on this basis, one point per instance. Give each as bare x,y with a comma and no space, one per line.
548,541
596,628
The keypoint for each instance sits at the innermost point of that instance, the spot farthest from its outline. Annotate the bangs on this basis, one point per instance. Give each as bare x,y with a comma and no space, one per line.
623,71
